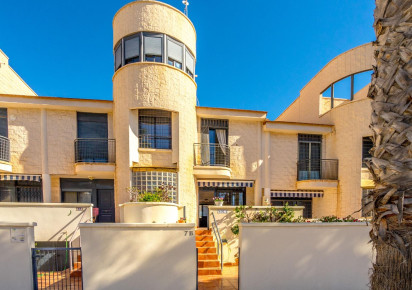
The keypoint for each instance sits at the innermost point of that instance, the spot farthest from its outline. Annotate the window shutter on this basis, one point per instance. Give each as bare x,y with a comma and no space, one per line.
174,51
131,47
118,57
153,45
190,62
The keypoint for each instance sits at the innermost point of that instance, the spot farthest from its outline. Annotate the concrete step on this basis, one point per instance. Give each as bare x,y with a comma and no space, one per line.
76,273
209,271
208,264
199,232
206,250
77,265
206,244
204,238
207,257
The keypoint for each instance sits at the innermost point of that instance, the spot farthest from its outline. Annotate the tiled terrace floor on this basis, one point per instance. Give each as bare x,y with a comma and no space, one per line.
226,281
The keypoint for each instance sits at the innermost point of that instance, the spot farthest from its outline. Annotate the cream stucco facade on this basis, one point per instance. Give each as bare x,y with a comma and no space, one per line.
239,154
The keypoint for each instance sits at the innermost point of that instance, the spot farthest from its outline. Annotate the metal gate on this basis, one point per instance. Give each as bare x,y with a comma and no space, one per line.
57,268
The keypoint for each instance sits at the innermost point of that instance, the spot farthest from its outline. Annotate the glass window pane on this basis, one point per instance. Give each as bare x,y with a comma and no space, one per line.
174,50
3,123
118,57
131,47
91,125
70,197
153,46
342,90
361,80
85,197
190,63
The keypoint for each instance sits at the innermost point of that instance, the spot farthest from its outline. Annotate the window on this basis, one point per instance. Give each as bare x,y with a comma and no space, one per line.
132,49
310,147
367,145
21,191
307,203
155,129
77,197
151,180
4,130
92,144
346,88
118,57
214,149
153,47
174,53
190,64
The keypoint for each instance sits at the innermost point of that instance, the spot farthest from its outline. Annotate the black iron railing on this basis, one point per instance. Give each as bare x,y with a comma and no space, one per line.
310,169
95,150
211,154
57,268
4,149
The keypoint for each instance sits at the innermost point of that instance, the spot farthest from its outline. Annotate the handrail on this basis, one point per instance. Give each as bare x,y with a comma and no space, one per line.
211,154
214,225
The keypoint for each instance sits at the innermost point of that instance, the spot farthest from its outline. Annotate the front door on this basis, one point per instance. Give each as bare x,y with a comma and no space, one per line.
105,203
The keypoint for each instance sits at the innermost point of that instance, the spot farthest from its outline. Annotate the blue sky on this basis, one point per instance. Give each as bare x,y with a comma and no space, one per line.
250,55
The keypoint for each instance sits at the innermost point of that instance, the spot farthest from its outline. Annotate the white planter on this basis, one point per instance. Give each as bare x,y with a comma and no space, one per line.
148,212
218,203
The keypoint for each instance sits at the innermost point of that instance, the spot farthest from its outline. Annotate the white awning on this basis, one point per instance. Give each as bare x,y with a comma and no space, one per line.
26,177
224,183
296,193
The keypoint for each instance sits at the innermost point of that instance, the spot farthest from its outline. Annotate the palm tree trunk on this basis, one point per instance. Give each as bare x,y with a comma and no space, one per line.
391,162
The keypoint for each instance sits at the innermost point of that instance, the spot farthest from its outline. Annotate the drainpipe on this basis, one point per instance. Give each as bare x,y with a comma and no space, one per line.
46,182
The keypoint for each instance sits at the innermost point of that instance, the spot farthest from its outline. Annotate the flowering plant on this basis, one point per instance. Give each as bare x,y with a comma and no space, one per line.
218,198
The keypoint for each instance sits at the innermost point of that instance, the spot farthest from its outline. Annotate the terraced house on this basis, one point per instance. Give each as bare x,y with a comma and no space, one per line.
59,150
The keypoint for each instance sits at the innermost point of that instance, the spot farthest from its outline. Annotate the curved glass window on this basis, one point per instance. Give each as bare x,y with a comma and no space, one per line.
132,49
149,181
154,47
346,89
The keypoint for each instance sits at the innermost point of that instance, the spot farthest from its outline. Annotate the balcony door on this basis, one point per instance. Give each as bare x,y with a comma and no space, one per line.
310,152
214,147
92,138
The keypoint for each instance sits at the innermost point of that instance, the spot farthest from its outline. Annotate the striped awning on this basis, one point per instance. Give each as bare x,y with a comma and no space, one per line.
223,183
25,177
296,193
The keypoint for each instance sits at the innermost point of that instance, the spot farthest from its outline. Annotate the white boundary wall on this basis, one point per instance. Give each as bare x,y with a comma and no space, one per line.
305,256
138,256
54,220
16,241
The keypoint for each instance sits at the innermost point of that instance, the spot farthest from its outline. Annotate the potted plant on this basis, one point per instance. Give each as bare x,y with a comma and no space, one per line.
149,206
218,201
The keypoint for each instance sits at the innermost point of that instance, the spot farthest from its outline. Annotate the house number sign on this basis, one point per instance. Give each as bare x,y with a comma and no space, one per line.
17,235
188,233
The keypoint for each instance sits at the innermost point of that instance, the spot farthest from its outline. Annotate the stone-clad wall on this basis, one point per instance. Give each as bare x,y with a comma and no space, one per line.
25,140
62,131
244,145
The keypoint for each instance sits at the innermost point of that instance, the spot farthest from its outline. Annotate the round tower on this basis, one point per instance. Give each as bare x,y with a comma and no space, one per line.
154,101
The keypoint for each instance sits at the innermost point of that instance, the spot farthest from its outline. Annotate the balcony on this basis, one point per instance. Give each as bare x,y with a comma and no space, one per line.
5,166
95,156
212,160
317,173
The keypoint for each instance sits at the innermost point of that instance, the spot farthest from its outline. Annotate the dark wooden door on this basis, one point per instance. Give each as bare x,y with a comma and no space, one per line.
105,203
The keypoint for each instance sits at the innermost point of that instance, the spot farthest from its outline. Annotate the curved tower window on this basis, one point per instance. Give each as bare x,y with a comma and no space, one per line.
155,129
190,64
132,49
174,53
118,57
153,47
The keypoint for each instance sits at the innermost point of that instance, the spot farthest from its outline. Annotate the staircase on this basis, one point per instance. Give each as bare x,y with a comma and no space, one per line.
77,267
208,261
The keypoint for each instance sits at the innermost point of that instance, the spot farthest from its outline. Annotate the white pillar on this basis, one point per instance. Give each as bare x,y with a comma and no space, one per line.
259,179
46,183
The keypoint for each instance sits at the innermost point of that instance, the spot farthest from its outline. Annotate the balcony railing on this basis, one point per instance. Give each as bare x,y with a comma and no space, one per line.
309,169
212,154
95,150
4,149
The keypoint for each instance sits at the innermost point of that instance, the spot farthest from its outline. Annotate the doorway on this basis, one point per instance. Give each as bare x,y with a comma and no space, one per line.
231,196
